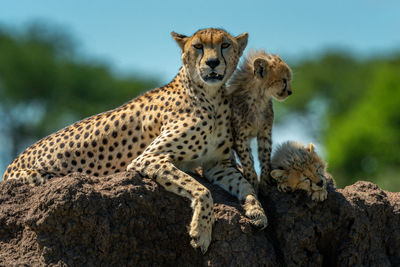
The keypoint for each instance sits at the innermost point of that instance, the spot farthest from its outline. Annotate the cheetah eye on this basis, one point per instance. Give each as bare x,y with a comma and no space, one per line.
198,46
225,45
284,84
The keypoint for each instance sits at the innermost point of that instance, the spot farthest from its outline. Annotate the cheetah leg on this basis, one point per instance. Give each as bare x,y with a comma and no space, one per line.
29,176
264,154
180,183
242,147
230,179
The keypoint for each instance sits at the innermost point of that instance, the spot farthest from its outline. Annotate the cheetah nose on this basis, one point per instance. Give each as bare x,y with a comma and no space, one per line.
289,92
213,62
320,183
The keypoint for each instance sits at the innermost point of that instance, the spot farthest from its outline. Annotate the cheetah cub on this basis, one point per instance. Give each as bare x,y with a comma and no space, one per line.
260,77
296,166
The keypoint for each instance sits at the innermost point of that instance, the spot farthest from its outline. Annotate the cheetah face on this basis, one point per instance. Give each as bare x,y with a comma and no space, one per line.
275,75
211,55
312,178
282,88
303,180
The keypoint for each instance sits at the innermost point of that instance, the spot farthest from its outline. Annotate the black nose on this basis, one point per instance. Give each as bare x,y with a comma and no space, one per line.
320,183
213,62
289,92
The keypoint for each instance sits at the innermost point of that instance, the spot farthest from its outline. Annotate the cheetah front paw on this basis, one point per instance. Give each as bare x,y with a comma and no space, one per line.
255,212
201,236
320,195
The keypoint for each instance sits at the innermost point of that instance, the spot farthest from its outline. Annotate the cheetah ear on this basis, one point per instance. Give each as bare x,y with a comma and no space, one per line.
277,174
311,148
180,39
242,42
260,68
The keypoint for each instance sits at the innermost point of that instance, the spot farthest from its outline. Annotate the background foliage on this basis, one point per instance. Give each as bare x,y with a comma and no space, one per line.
45,85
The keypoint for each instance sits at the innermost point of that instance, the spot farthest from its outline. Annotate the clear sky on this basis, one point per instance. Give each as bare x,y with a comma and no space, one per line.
135,35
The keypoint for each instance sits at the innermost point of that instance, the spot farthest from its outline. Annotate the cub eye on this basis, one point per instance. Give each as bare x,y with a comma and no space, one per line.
225,45
284,84
198,46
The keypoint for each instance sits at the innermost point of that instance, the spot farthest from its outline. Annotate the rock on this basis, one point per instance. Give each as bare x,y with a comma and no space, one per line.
127,220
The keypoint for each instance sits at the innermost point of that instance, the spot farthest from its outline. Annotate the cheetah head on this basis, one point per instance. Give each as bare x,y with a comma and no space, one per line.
274,74
306,172
211,55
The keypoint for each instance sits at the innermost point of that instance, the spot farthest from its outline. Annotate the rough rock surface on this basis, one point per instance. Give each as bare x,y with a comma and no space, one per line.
127,220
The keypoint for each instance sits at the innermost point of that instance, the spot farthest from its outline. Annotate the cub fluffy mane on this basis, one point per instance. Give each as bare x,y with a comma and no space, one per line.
244,74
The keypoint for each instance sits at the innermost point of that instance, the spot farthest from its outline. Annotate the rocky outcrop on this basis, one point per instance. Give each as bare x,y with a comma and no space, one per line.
127,220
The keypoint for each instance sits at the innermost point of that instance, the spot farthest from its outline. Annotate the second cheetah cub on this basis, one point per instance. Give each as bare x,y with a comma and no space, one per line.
260,77
298,167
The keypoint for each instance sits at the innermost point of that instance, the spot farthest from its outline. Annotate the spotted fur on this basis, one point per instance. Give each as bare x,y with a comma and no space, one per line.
260,77
298,167
161,134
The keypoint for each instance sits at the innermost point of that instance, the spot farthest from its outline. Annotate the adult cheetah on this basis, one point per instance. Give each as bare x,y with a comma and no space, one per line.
162,134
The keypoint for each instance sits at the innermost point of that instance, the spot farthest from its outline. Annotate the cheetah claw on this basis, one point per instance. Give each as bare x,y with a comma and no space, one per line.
130,167
255,212
200,239
258,219
319,195
284,187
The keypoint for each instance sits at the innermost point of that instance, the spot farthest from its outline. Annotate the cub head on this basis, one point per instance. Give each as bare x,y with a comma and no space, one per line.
301,168
273,75
210,56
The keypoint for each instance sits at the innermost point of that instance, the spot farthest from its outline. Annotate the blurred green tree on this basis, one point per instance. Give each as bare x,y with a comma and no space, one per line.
365,142
45,85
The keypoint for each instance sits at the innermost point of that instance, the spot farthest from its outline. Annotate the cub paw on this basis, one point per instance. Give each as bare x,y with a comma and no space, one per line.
320,195
284,187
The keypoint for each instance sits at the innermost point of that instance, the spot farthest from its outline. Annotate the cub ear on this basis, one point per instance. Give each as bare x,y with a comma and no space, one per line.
311,148
278,174
242,42
260,68
180,39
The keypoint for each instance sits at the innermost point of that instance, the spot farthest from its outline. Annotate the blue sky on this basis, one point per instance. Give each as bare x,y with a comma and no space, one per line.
135,35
